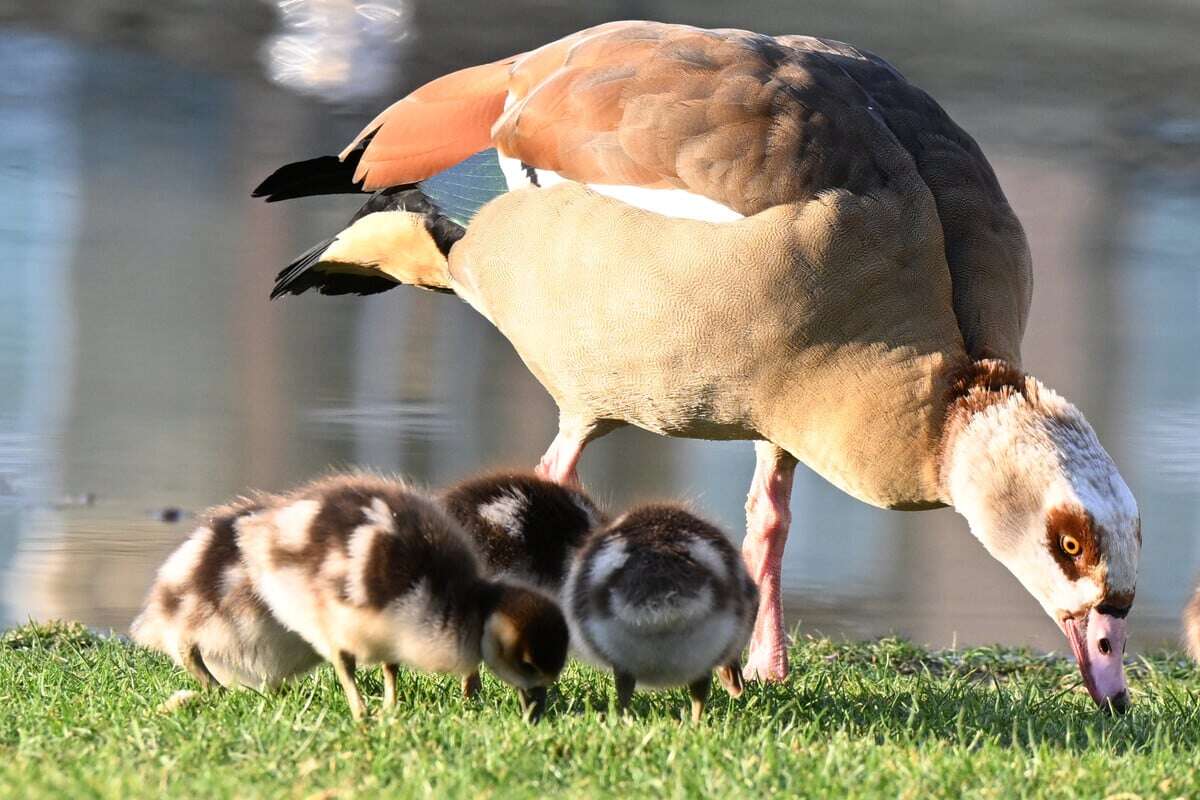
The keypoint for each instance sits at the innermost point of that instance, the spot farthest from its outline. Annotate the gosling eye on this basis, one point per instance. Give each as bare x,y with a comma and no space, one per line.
1069,545
527,666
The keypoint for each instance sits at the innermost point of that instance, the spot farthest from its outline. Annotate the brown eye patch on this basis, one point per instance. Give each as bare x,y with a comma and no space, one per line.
1071,539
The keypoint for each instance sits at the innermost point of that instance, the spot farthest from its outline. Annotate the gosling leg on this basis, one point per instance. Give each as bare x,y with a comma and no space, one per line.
343,665
471,684
390,672
730,676
193,662
625,684
699,689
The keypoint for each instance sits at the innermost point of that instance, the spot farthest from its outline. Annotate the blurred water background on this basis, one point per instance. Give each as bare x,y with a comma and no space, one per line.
143,370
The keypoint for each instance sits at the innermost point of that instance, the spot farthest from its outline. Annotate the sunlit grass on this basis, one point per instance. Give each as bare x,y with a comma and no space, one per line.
79,716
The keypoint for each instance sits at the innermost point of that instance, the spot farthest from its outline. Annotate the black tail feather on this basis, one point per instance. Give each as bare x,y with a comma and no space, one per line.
323,175
340,283
299,276
288,281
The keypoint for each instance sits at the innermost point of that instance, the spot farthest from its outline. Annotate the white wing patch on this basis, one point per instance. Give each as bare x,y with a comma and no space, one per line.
609,558
706,554
668,202
178,569
378,523
293,521
506,512
379,515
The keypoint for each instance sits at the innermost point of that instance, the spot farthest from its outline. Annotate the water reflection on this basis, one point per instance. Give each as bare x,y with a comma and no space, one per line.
143,363
339,50
39,214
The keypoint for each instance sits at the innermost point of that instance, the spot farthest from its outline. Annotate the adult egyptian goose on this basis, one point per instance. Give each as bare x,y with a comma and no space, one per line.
726,235
662,598
368,571
203,611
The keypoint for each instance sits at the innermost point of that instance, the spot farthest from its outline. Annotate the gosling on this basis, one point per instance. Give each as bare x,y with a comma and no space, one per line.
204,612
369,571
662,598
526,529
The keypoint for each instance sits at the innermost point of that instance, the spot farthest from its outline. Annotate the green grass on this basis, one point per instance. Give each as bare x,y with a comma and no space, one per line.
79,717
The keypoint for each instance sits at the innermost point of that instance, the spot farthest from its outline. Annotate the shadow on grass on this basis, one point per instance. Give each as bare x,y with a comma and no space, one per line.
890,689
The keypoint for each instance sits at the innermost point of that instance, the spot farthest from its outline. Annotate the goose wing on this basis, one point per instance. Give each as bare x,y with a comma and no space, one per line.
747,120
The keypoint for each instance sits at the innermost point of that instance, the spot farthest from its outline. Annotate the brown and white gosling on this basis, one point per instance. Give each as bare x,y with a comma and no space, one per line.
526,529
204,613
369,571
662,597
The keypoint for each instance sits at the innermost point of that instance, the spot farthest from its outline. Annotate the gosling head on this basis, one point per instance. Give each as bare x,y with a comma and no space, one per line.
525,643
1027,471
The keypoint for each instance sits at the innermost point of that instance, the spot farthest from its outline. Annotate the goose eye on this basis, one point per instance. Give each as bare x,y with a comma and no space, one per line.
1070,545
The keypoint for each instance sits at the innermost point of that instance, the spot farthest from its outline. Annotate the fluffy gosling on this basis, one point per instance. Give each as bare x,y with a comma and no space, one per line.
369,571
204,613
526,529
662,598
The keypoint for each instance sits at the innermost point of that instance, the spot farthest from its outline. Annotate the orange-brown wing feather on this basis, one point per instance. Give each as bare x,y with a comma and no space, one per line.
736,116
433,128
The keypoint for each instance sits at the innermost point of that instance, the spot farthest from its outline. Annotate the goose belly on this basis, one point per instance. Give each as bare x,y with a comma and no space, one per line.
796,325
626,315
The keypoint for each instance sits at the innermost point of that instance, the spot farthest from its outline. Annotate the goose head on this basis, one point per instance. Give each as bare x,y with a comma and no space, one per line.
1038,490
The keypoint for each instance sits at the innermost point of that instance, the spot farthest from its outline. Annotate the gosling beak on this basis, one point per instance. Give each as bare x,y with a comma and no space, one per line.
1098,642
533,702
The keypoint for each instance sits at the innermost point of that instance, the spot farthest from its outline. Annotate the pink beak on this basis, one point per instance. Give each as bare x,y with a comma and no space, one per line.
1098,641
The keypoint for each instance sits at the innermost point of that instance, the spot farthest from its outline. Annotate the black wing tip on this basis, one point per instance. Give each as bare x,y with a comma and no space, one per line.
314,176
298,277
359,285
289,280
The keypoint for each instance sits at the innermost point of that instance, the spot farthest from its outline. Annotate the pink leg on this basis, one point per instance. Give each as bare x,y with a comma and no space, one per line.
561,460
767,518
